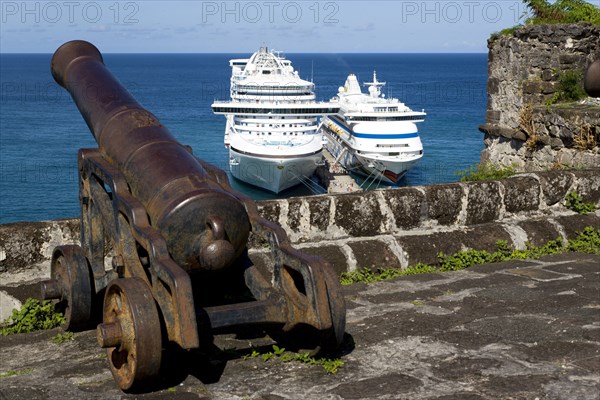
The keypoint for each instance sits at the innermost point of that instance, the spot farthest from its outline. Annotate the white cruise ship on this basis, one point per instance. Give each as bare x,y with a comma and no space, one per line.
372,135
272,121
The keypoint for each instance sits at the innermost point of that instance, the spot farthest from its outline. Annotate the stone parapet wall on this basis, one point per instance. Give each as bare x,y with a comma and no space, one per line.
401,251
429,208
523,71
524,67
395,227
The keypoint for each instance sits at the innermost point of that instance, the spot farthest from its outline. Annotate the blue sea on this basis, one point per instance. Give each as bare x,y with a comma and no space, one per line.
41,129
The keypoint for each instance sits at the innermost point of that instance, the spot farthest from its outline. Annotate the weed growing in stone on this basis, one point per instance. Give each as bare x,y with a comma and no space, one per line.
63,337
486,171
367,275
587,139
528,127
34,315
574,202
331,366
588,241
570,88
8,374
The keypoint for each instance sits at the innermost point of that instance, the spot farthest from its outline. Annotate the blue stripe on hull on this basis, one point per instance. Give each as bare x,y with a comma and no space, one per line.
386,136
339,122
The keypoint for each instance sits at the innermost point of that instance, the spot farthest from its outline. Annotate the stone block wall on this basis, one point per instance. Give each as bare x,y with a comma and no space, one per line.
523,71
391,227
429,208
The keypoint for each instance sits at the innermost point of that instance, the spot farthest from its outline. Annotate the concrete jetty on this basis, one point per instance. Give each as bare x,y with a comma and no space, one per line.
334,177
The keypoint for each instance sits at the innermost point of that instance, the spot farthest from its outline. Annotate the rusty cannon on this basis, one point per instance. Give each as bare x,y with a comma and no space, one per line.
179,237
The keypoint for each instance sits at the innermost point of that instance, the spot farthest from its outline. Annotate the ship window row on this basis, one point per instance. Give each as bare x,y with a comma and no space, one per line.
268,88
399,118
272,93
269,133
393,154
392,145
260,117
384,109
276,125
243,110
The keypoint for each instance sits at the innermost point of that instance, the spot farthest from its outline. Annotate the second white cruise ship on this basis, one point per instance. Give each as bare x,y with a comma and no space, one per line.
373,136
272,117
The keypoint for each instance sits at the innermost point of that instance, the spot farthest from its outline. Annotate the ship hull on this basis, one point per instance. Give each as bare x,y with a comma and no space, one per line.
271,173
381,170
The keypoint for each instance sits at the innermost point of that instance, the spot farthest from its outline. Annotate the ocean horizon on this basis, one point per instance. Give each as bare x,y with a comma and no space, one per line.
41,129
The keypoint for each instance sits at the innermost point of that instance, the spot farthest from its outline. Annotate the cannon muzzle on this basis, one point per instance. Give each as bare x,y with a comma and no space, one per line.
205,227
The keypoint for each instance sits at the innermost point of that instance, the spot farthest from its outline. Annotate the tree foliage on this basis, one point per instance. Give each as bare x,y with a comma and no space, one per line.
562,12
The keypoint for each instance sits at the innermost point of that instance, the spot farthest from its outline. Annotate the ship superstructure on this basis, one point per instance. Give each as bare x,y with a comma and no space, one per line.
372,135
272,121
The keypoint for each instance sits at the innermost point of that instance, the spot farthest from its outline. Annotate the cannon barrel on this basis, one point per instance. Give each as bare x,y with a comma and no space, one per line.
205,228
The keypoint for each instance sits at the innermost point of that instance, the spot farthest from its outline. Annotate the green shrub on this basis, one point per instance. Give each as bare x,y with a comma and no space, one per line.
34,315
588,241
570,88
574,202
486,171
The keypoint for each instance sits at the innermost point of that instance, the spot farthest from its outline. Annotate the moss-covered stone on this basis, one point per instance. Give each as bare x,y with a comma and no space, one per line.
521,194
374,254
444,202
406,204
555,185
483,202
319,207
358,214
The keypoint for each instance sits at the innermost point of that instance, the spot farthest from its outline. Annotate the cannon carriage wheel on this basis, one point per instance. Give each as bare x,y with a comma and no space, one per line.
131,332
71,285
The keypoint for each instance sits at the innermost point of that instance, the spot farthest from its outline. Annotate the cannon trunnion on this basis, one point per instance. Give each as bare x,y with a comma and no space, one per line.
179,236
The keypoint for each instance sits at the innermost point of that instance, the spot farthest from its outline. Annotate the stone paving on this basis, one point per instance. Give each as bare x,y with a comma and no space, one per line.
512,330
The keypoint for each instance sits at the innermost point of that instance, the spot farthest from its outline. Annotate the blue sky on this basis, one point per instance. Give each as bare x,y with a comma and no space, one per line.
155,26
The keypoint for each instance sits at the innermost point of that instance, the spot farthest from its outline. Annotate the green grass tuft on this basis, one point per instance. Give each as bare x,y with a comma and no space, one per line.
61,338
330,365
20,372
588,241
486,171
